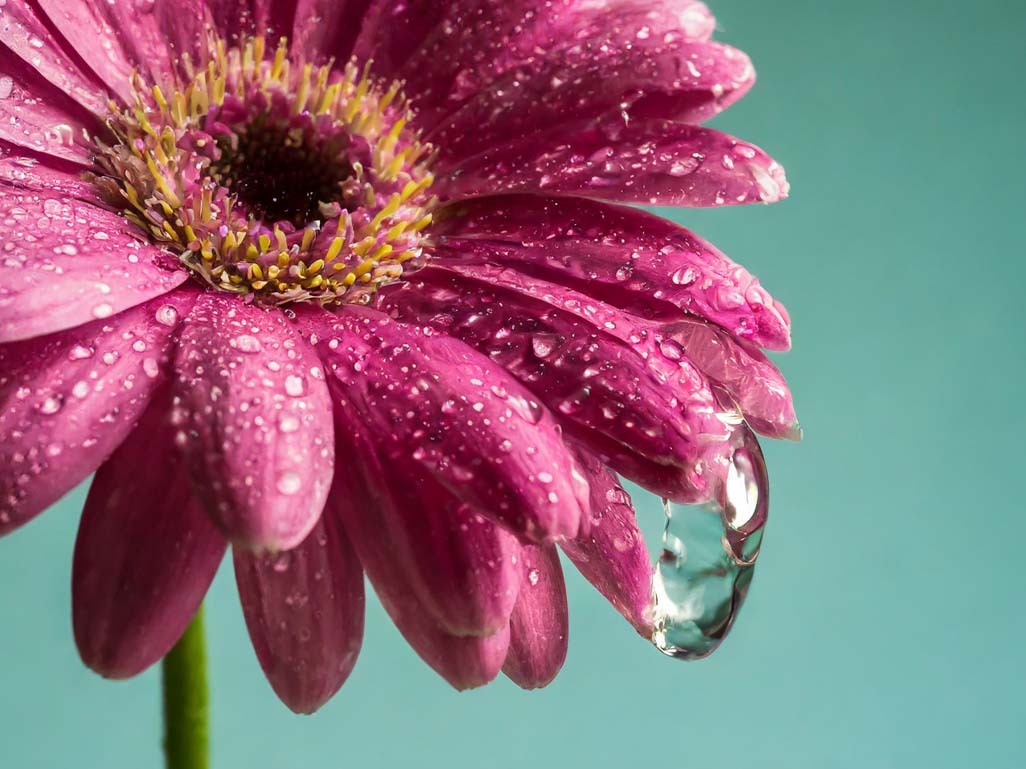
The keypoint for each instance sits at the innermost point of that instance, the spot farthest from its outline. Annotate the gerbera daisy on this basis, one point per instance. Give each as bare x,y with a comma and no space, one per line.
349,286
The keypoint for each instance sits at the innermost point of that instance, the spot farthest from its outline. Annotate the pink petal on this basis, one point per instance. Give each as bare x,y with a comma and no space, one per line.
612,556
327,28
234,19
750,379
464,661
463,568
70,263
89,29
145,553
254,414
447,56
24,33
540,627
434,402
68,400
20,171
621,255
643,161
683,81
36,116
602,372
304,610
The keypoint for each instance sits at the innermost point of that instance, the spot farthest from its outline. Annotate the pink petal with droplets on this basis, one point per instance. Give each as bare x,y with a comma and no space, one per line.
52,177
304,609
23,32
68,400
463,568
472,44
252,408
540,626
66,262
685,81
325,29
621,255
88,28
433,401
145,554
600,371
612,556
644,161
37,116
464,661
749,378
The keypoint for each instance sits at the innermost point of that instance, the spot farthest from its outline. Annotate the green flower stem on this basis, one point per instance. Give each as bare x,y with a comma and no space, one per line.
186,700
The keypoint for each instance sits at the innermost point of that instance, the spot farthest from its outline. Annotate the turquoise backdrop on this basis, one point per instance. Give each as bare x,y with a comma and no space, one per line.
885,626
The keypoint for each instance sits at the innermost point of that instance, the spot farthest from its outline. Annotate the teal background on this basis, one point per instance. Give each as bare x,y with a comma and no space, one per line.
885,625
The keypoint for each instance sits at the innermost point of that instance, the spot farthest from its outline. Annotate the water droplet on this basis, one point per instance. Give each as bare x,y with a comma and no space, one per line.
294,385
543,345
167,315
51,405
103,310
80,352
708,558
246,343
289,483
288,423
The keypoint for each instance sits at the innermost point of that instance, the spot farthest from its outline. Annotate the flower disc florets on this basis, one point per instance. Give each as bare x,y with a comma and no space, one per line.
271,177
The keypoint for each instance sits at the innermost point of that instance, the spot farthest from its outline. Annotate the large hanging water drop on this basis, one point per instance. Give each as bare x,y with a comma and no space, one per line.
708,557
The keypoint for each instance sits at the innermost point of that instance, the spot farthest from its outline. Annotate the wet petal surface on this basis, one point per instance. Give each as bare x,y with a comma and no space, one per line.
66,262
431,400
145,554
304,609
254,416
68,400
625,257
539,629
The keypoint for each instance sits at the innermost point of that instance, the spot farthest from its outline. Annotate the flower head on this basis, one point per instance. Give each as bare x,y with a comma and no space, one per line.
347,287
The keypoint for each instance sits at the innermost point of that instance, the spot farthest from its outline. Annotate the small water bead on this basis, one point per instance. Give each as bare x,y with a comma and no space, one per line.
51,405
289,483
166,315
295,386
708,558
246,343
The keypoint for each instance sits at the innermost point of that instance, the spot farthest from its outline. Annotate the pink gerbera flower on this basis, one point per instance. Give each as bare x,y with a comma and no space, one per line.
345,284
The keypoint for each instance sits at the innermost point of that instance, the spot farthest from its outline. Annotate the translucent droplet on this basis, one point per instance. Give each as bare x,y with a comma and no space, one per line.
246,343
103,310
289,483
708,558
295,386
167,315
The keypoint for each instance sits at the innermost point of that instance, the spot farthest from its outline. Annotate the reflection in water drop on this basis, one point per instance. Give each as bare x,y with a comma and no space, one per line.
708,557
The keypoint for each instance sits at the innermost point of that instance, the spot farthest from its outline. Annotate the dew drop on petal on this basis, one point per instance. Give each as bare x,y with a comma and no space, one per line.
289,483
246,343
708,560
166,315
294,385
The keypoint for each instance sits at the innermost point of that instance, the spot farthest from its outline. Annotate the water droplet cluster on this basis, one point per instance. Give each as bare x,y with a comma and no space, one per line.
271,177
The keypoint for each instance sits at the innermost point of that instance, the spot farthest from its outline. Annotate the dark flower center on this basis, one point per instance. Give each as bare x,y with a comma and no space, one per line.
283,172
